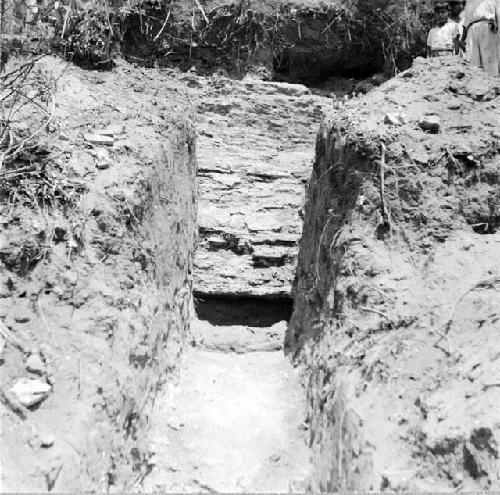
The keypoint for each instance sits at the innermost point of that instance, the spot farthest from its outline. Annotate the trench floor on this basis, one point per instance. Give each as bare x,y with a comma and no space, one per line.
233,423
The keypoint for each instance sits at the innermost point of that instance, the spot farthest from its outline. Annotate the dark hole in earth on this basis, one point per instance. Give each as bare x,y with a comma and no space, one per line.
246,311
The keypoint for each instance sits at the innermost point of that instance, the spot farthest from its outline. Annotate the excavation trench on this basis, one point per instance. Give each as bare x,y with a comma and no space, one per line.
234,421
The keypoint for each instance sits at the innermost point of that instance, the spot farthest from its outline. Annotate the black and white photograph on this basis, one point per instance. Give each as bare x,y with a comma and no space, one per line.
250,247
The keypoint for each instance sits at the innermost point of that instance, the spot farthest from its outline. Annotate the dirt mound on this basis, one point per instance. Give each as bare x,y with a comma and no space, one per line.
296,41
397,308
96,294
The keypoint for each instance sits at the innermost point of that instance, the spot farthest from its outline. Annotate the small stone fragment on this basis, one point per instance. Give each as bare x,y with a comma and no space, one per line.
261,222
391,119
21,318
102,165
46,440
111,130
265,256
216,242
47,352
102,154
431,124
265,171
99,139
175,425
34,364
30,392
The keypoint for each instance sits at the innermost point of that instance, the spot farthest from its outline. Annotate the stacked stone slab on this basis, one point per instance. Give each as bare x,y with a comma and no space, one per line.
255,150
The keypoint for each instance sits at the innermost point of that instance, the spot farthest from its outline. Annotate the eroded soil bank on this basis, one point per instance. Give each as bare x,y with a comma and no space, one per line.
397,308
96,293
297,41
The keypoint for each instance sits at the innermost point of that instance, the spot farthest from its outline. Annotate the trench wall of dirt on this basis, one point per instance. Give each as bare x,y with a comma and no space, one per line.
397,286
150,353
96,291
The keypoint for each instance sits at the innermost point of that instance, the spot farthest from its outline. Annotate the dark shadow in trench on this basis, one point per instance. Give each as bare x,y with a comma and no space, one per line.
246,311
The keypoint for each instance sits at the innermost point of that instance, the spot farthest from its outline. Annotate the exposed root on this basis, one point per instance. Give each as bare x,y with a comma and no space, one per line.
376,311
381,292
384,226
485,284
489,283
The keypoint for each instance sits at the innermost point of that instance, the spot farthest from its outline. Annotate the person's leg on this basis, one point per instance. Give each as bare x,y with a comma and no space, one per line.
475,55
468,48
489,49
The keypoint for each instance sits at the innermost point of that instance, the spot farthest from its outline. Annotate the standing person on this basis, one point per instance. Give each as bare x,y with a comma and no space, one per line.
481,19
457,16
442,38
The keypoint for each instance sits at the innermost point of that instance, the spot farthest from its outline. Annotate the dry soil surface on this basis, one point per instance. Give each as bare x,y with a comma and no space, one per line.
232,424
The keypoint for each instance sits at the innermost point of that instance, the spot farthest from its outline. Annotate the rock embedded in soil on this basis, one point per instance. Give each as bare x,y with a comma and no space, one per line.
46,440
30,392
431,123
34,364
99,139
43,439
393,119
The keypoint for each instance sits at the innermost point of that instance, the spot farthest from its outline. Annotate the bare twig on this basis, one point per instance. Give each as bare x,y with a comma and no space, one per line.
11,338
485,284
2,12
198,4
13,152
443,332
66,18
385,215
381,292
163,27
376,311
49,330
